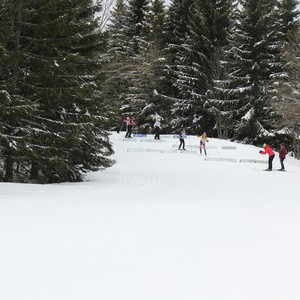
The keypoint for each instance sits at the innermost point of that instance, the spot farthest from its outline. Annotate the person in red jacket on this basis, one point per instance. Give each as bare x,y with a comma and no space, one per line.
269,151
282,154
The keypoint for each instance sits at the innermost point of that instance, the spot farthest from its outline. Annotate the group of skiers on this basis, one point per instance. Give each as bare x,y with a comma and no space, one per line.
203,140
130,122
282,154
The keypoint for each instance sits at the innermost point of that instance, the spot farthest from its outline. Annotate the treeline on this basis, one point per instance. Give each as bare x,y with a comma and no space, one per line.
65,81
227,61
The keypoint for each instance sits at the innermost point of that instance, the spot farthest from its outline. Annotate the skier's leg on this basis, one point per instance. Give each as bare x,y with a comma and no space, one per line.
180,144
271,161
129,131
281,162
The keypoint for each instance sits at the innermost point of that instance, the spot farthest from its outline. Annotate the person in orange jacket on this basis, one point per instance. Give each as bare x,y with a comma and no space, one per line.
268,150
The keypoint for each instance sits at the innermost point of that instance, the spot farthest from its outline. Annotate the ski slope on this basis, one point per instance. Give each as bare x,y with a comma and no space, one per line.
160,224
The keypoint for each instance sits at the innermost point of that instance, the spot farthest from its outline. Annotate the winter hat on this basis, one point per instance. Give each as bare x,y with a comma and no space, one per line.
264,145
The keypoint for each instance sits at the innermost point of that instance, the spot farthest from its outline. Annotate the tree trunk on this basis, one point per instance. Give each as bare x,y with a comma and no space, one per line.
9,174
34,172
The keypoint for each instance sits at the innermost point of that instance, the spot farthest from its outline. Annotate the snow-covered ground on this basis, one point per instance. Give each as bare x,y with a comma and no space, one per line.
156,226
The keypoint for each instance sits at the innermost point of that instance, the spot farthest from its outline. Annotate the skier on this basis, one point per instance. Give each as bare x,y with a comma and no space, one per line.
182,136
126,122
130,124
282,154
195,123
269,151
157,128
203,140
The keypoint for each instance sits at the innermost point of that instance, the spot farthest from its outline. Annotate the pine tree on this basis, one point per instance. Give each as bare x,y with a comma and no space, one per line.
220,102
116,57
61,46
148,78
126,41
193,63
196,59
254,61
16,110
288,91
176,28
139,65
286,99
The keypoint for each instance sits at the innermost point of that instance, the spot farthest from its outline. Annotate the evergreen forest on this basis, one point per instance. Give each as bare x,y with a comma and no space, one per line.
67,79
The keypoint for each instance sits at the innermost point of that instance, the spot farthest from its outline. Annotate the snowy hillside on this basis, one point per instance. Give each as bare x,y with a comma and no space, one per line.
160,224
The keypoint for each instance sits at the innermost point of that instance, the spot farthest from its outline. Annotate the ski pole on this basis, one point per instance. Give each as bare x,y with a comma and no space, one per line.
175,143
121,127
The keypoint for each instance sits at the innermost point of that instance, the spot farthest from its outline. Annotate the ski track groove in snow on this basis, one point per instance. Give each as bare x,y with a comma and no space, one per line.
142,178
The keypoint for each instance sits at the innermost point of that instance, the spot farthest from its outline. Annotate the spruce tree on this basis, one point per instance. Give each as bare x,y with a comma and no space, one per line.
126,41
16,110
147,80
286,99
220,102
196,59
139,63
254,61
193,64
176,27
116,57
61,47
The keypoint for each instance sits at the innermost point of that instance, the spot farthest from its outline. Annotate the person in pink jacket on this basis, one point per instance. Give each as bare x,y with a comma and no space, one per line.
268,150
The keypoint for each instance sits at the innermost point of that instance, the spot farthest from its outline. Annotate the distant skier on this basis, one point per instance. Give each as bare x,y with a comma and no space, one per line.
130,124
203,140
157,128
126,122
282,155
268,150
195,123
182,136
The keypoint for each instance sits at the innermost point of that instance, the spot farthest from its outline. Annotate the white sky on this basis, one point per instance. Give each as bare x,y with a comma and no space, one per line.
157,225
